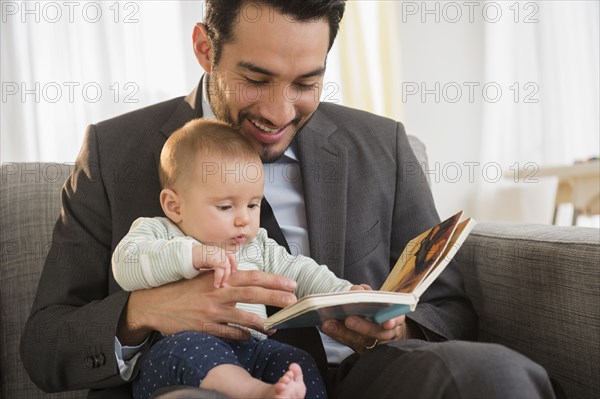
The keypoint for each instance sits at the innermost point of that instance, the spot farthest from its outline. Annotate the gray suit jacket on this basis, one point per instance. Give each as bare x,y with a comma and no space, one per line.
364,200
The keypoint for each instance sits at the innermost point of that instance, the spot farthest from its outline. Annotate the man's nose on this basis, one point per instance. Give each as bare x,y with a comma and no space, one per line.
278,107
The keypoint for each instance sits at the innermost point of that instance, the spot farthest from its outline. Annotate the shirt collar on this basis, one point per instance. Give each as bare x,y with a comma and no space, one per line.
207,110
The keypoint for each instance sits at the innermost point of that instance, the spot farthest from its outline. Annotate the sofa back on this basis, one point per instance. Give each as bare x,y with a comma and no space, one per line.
29,208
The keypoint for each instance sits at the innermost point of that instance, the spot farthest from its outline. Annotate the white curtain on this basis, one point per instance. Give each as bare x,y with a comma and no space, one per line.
366,61
68,64
61,73
549,60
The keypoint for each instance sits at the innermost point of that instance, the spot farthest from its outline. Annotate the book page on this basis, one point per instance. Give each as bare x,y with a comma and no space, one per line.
420,256
460,234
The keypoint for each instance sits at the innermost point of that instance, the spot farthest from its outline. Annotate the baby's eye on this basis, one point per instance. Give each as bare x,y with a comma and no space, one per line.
223,207
253,206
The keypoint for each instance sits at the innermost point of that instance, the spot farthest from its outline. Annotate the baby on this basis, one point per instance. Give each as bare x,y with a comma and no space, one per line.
212,180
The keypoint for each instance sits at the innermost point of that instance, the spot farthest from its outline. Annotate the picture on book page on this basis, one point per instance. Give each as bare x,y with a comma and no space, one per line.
422,254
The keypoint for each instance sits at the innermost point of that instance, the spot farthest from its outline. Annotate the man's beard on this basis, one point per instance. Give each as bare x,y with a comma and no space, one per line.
218,103
223,113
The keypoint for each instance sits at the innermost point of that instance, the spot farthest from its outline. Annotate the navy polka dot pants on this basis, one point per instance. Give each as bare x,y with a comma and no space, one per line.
185,359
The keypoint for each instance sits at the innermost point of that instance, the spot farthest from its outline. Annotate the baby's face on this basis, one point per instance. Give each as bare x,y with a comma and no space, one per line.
221,203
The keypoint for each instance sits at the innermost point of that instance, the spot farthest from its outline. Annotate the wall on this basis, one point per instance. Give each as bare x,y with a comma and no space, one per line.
438,58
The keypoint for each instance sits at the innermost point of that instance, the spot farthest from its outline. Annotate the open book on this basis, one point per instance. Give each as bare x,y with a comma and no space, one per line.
421,262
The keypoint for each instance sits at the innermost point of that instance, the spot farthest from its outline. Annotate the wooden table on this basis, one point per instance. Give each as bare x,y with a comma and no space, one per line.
578,184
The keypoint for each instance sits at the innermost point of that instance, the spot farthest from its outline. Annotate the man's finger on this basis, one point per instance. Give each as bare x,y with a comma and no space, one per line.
242,318
339,332
259,295
373,331
227,331
246,278
359,333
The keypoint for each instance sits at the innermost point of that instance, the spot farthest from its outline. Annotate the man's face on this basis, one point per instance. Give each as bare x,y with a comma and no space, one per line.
269,78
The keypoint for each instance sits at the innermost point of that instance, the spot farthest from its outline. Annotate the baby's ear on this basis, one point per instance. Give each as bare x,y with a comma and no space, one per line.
169,201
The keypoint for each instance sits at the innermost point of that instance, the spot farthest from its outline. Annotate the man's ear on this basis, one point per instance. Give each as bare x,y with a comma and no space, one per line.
202,47
169,201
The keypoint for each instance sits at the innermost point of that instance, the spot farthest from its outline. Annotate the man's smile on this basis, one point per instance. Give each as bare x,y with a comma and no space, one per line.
265,134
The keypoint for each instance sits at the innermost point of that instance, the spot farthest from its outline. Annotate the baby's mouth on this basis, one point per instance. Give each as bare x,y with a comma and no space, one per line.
241,239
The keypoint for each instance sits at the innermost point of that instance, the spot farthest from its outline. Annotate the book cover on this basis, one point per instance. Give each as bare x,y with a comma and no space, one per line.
421,262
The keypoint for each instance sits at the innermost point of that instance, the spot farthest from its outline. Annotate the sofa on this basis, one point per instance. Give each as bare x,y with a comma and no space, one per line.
535,288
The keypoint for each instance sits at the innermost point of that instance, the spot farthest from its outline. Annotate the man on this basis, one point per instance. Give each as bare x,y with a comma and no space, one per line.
354,203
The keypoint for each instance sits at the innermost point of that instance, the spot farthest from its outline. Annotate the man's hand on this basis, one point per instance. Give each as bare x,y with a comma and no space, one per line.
361,334
196,305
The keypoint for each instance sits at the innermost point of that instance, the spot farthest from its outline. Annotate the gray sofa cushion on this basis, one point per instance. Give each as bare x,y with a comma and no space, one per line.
29,207
536,289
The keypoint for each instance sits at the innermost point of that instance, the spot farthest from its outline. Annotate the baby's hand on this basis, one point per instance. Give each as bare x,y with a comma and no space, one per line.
361,287
211,257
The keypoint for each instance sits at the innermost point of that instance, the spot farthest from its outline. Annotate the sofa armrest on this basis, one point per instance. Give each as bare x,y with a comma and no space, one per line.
536,289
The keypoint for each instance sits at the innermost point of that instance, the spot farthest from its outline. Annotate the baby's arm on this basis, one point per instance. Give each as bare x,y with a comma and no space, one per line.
154,253
311,277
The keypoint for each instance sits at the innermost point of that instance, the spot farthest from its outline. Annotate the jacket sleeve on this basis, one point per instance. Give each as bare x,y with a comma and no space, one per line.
68,340
444,311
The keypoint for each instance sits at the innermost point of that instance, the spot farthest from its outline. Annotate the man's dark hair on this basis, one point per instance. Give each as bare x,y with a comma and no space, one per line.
222,14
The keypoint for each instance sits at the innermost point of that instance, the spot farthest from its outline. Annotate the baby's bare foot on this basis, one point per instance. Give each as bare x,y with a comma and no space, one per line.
291,384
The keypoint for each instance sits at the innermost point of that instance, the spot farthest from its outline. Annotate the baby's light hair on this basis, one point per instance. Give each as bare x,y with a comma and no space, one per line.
200,136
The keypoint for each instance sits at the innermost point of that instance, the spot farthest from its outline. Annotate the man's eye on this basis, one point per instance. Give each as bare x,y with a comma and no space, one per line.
257,82
303,86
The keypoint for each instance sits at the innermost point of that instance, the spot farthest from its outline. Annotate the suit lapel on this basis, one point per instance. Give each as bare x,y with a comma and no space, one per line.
325,180
187,109
183,113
